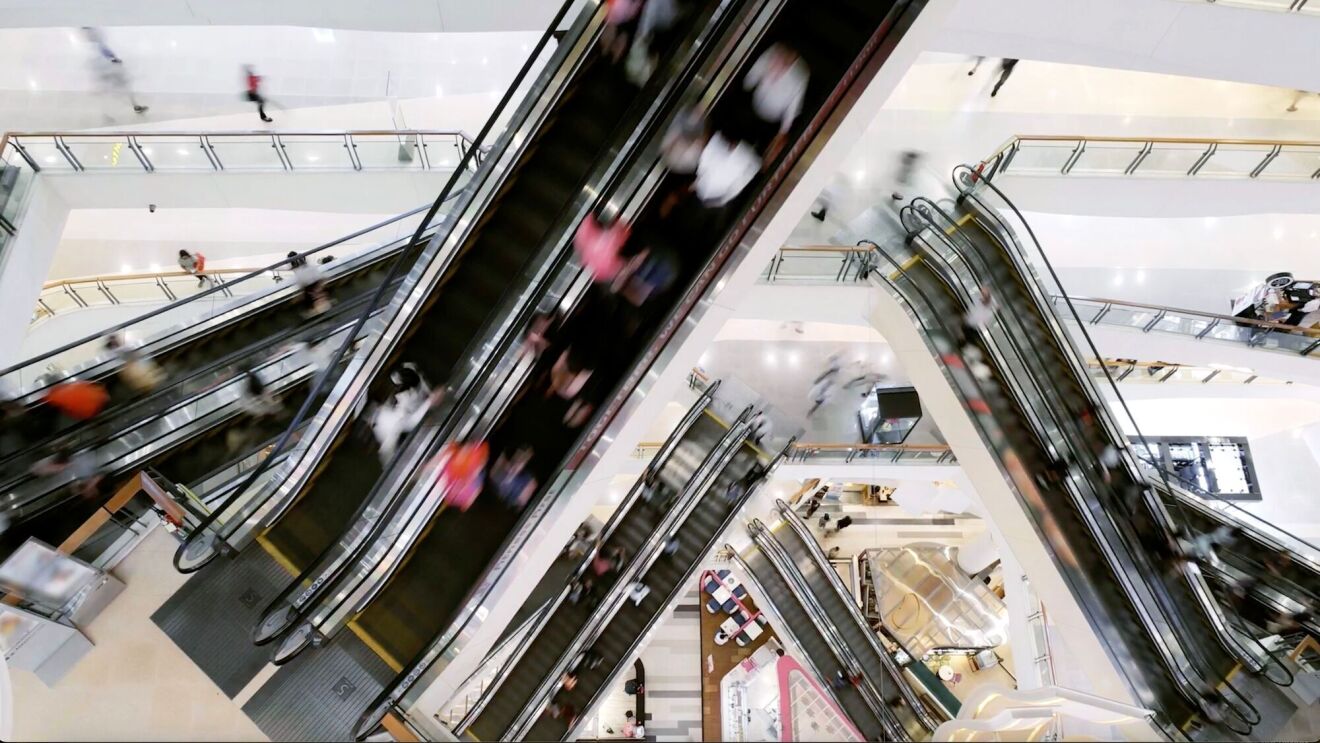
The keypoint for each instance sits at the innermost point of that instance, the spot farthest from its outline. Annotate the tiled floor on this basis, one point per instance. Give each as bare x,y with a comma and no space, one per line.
673,681
134,684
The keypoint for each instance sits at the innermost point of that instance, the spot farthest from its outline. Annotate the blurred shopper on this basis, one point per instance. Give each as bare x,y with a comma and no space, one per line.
657,18
86,474
512,477
254,94
308,278
193,263
1298,95
137,371
980,311
599,244
77,400
684,140
760,427
651,272
905,173
778,84
724,169
620,25
394,419
1006,67
637,592
109,72
460,471
97,40
976,65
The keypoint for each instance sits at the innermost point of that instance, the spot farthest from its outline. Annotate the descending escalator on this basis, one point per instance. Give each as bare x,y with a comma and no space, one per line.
626,535
700,522
794,619
425,592
879,668
499,256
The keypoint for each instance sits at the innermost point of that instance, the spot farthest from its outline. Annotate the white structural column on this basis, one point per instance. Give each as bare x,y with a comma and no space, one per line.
25,262
997,496
668,376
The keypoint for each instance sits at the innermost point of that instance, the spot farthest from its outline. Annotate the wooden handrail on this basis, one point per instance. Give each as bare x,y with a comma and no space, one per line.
110,278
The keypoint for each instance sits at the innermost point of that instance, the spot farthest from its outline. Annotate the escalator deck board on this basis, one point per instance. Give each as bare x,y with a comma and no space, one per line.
321,695
211,617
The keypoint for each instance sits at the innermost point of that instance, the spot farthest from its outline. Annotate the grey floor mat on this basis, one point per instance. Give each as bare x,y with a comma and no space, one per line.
211,617
321,693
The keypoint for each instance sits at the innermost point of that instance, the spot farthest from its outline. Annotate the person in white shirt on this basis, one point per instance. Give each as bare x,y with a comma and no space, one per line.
724,170
778,84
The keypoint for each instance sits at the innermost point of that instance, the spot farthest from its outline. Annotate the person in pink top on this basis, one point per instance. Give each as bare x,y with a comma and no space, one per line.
599,247
620,22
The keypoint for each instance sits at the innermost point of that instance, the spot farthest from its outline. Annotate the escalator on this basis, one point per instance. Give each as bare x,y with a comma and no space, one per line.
876,664
211,335
504,250
424,593
1200,623
630,528
1158,676
794,618
185,442
621,623
1037,372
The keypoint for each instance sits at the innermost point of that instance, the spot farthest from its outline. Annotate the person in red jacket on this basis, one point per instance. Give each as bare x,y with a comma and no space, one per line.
254,92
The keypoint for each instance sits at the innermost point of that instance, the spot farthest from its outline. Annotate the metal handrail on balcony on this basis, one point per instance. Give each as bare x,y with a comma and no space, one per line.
1160,157
238,151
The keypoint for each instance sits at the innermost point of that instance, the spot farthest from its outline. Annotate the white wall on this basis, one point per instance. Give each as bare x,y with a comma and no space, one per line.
1277,430
109,241
396,15
1185,38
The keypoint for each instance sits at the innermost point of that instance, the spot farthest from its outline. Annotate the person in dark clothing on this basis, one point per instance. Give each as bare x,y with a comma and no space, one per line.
1005,70
842,523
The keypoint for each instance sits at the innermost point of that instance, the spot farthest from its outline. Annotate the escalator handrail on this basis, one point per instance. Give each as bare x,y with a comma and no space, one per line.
843,652
995,438
638,563
218,288
616,518
794,522
450,188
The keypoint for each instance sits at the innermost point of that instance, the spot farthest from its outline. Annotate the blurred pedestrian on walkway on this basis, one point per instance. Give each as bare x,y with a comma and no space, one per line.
254,92
1005,70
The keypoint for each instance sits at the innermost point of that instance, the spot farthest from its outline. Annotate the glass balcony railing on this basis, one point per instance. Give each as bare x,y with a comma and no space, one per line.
1155,157
848,264
66,295
809,451
152,152
1150,318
